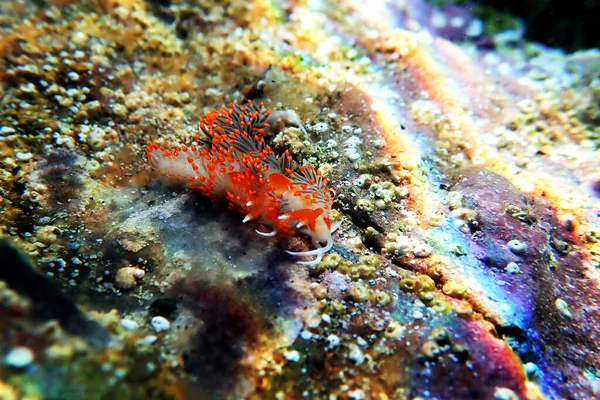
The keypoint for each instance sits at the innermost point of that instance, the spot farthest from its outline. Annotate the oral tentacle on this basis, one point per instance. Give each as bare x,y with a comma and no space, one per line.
266,234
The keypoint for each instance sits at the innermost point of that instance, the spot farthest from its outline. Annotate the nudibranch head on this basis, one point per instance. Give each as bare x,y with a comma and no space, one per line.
232,161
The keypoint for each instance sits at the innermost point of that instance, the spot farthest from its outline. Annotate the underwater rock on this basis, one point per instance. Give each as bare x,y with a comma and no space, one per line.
463,163
47,300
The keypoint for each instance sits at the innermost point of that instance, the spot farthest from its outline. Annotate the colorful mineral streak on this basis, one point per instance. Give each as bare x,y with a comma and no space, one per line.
172,175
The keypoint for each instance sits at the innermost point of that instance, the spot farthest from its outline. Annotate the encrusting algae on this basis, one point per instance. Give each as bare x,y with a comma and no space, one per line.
232,162
466,175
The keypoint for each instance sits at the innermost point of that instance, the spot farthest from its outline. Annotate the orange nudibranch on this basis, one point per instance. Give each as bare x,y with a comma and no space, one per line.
231,161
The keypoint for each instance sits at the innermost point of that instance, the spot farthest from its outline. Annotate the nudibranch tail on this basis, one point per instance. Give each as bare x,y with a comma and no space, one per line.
232,162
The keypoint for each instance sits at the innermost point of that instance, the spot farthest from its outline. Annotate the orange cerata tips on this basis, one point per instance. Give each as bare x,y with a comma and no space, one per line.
233,163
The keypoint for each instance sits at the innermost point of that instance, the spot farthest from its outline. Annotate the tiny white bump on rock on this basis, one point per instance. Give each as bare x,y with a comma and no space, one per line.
333,341
321,127
355,354
517,247
418,314
160,324
19,357
512,268
150,339
306,335
502,393
292,356
129,324
26,156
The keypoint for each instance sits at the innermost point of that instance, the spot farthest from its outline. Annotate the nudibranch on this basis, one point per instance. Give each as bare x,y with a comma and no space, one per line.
231,161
